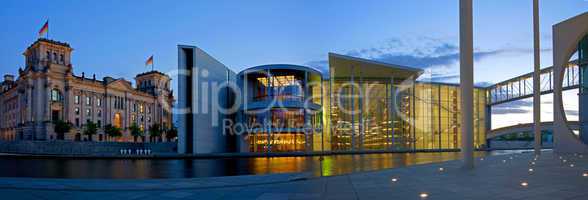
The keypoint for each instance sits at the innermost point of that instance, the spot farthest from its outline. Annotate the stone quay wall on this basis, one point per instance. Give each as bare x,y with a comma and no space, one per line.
84,148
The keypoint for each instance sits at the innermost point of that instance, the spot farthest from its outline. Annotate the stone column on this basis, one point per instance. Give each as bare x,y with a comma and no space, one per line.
536,81
466,81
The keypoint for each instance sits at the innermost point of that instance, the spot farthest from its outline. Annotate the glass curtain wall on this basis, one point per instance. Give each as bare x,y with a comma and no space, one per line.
378,114
369,114
438,116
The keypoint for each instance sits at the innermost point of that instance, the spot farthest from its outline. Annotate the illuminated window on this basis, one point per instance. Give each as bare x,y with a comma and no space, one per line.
88,101
117,120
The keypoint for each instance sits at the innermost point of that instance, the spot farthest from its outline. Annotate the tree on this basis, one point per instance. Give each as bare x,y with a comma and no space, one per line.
90,129
155,131
61,128
135,131
171,133
112,131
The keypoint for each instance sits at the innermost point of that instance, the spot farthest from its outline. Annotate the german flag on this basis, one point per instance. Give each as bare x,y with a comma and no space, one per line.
44,29
149,61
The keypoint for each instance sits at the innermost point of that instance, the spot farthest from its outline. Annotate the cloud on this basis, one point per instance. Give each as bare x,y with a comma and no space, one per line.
321,65
503,111
515,107
483,84
438,57
571,113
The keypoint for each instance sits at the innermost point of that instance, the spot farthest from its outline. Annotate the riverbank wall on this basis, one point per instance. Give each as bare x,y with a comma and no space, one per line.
75,148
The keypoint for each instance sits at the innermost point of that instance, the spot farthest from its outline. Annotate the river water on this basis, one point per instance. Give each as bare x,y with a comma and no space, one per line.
192,168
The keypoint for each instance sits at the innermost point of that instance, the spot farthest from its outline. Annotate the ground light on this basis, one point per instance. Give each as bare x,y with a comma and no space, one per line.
524,184
394,179
530,169
423,195
585,174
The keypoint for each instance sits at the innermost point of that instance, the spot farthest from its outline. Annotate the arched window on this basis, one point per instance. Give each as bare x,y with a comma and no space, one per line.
117,121
56,95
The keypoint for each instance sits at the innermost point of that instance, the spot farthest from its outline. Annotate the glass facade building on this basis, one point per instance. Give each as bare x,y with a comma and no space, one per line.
358,105
281,108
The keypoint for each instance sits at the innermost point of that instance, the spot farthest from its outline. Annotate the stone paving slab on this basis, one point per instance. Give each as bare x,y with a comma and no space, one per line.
147,184
495,177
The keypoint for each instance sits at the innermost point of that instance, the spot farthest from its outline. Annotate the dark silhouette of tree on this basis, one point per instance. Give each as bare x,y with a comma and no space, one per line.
61,128
90,129
171,133
135,131
155,131
112,131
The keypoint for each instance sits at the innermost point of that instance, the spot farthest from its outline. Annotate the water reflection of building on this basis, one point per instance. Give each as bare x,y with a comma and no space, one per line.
358,105
47,90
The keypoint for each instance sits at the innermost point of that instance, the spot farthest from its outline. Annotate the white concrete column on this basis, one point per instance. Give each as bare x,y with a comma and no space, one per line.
466,77
536,81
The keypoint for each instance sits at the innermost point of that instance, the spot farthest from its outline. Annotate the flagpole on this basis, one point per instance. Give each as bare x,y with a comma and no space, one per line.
47,34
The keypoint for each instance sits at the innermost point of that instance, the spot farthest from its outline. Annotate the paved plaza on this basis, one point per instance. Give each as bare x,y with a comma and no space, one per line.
515,176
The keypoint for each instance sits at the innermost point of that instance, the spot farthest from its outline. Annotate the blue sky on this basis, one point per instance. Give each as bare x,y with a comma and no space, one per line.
115,37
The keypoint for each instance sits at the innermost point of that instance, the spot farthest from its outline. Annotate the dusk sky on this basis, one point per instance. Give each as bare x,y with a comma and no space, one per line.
114,38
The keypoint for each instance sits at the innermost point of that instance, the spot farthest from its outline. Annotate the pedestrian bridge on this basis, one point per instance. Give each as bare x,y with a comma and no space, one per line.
528,127
521,87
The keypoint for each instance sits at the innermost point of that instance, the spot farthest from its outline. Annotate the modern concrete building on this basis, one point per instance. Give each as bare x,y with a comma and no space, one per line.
203,93
356,105
569,37
366,105
48,90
